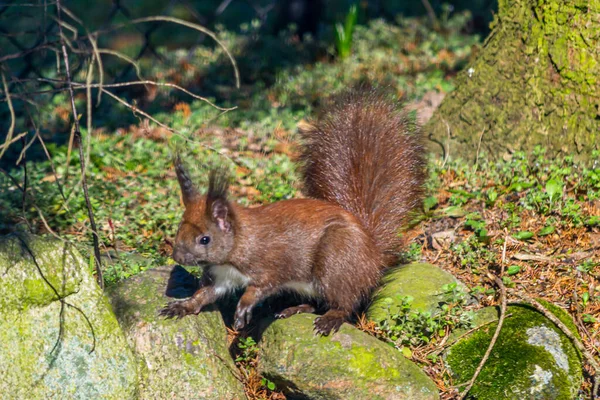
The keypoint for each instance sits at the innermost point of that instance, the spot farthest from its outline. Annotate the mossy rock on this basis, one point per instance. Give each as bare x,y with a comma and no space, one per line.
184,358
58,335
532,358
421,281
349,364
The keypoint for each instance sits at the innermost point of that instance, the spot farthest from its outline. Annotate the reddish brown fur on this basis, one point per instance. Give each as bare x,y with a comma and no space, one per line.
364,172
363,157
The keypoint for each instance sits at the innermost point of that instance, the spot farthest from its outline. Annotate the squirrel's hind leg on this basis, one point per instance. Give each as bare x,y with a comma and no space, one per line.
332,320
347,267
288,312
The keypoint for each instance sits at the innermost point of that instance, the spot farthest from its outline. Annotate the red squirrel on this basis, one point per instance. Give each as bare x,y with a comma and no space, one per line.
363,168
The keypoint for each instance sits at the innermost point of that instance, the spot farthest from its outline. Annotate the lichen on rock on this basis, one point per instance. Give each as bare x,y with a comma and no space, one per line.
349,364
423,282
58,336
184,358
532,358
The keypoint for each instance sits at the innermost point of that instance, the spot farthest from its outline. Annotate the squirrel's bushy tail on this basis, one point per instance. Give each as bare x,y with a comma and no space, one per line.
365,156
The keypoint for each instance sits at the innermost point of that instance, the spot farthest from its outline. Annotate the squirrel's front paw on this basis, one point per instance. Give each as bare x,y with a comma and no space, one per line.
242,317
178,309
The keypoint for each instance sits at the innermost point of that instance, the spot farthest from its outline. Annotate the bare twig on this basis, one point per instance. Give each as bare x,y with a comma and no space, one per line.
589,358
80,85
431,14
81,155
27,51
88,93
500,285
13,140
11,128
98,59
191,25
503,262
136,110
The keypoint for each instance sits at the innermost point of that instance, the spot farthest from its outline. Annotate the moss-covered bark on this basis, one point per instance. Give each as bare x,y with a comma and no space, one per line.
535,82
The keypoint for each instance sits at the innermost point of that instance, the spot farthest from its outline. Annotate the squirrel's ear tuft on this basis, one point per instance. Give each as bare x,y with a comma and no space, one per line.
216,199
188,190
221,214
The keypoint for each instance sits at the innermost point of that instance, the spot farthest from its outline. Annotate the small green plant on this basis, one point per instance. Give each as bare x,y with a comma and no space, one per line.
473,253
249,350
554,189
344,33
407,327
411,254
587,266
267,383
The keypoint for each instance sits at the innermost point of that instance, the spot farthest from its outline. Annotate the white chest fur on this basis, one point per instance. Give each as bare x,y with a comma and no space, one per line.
228,278
304,288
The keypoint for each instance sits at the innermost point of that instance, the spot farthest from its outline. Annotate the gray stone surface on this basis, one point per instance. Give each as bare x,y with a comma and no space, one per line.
421,281
184,358
532,358
348,365
58,336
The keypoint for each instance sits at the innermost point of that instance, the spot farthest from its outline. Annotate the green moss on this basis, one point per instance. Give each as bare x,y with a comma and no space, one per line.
347,365
27,283
516,362
423,282
534,83
49,348
187,356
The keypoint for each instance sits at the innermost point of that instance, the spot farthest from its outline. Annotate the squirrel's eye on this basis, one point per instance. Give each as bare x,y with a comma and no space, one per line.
204,240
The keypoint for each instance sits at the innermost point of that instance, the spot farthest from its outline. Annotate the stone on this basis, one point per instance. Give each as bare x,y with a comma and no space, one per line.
348,365
58,335
184,358
532,358
423,282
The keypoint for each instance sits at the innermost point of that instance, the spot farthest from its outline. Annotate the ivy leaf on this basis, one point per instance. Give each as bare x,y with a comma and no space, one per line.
546,230
554,188
513,270
523,235
454,212
589,319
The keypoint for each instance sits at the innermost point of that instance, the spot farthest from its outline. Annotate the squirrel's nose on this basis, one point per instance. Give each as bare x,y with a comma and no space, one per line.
179,255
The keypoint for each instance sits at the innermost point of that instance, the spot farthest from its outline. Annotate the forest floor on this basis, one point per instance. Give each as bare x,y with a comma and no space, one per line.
531,219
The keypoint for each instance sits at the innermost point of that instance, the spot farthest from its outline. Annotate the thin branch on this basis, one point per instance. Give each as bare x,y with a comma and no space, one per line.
13,140
81,156
80,85
11,128
60,189
500,285
431,14
98,59
191,25
28,51
88,92
589,357
136,110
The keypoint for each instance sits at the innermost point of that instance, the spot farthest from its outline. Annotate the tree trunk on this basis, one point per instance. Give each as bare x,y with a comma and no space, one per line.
536,81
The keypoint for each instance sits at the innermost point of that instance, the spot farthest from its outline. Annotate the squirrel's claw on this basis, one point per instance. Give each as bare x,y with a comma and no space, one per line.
324,325
175,309
242,317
